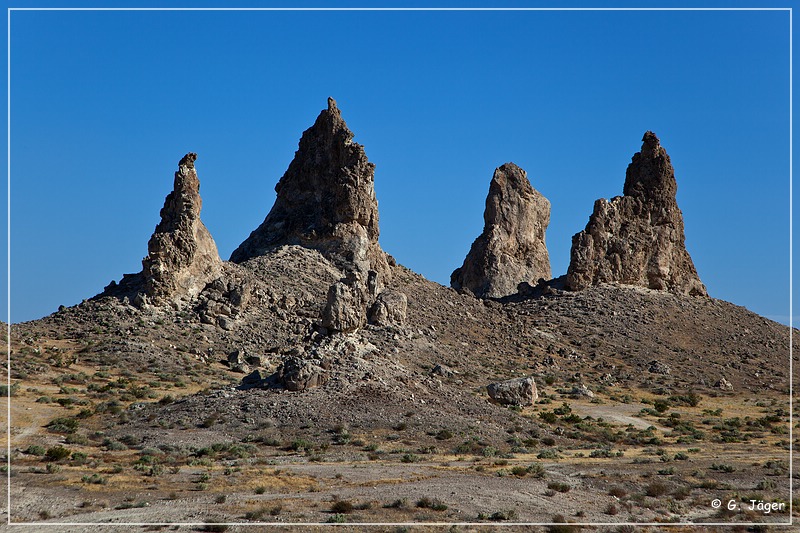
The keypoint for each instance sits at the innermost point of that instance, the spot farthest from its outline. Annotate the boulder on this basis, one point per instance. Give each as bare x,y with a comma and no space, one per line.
345,309
182,257
237,357
637,238
298,374
225,322
581,390
442,370
724,384
389,309
512,248
518,391
253,379
326,201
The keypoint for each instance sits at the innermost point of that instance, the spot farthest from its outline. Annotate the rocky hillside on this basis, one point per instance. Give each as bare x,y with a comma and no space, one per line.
437,363
312,301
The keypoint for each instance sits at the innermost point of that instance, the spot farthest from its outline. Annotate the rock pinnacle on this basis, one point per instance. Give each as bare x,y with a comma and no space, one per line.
182,256
512,247
326,200
637,238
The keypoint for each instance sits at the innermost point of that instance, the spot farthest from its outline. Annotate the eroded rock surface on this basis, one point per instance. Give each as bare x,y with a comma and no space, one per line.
637,238
326,201
182,257
512,247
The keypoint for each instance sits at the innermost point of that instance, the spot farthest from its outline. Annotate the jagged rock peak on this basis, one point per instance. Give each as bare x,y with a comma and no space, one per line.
650,174
326,200
182,257
637,238
512,247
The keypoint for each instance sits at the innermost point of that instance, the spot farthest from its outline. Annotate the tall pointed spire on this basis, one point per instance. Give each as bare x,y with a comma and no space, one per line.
326,200
637,238
182,257
511,248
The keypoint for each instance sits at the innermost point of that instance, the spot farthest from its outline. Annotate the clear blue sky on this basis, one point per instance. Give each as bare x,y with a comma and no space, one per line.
104,104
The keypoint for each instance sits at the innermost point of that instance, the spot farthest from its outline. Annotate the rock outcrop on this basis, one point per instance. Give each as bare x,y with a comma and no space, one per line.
326,201
182,257
512,247
223,300
637,238
353,301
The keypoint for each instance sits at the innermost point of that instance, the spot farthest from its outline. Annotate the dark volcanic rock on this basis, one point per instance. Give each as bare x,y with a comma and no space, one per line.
326,201
511,248
637,238
182,256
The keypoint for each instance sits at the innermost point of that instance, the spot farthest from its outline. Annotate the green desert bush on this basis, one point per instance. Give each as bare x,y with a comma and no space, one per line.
57,453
